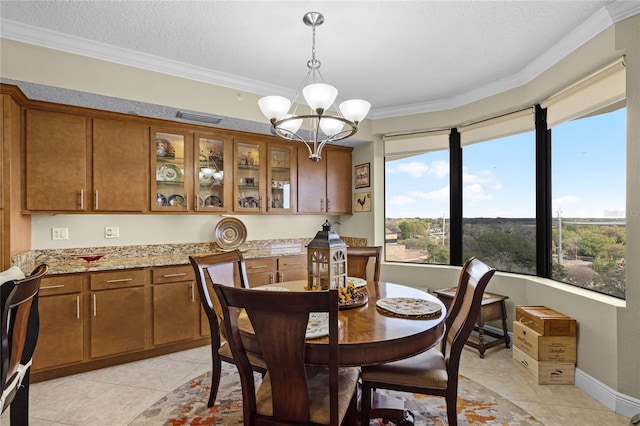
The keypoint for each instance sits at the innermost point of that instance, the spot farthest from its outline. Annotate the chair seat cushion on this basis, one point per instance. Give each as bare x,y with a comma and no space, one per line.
318,382
426,370
225,354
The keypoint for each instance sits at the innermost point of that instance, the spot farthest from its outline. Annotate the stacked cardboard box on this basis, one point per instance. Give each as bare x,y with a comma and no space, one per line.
545,345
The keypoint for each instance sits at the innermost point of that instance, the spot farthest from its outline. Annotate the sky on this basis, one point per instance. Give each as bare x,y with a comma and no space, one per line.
588,175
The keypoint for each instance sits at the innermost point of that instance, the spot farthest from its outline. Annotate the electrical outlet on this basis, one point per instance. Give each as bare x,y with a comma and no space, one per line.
112,232
59,233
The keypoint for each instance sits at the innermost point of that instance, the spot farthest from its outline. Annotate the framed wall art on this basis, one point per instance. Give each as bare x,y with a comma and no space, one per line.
362,202
362,175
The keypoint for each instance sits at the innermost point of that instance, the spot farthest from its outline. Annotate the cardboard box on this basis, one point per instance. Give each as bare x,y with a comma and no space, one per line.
544,372
546,321
544,348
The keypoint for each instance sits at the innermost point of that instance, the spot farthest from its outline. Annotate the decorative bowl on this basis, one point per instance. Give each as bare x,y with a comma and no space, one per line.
90,257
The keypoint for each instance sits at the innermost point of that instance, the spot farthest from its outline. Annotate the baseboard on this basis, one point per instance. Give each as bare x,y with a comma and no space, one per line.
610,398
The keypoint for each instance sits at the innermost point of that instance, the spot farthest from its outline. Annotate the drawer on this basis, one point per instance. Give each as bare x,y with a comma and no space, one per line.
60,284
267,264
118,279
173,274
292,262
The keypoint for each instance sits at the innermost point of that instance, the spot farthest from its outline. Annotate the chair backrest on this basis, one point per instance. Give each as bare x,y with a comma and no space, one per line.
474,277
279,321
19,324
226,268
358,258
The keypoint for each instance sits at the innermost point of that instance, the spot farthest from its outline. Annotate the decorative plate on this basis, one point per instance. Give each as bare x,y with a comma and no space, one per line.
357,299
230,233
356,282
408,307
318,325
212,201
176,200
170,173
161,200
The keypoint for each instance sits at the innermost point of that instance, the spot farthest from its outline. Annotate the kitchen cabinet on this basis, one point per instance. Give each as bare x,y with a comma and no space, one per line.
61,333
325,186
75,163
281,178
250,175
213,181
271,270
171,164
175,304
118,312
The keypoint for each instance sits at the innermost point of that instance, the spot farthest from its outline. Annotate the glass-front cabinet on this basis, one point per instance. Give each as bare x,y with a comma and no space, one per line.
281,178
172,165
250,175
212,183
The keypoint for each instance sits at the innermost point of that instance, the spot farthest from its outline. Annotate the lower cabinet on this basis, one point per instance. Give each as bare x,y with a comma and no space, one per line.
175,305
272,270
118,312
61,334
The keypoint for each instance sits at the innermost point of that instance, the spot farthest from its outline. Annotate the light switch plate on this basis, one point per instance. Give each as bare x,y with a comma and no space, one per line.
112,232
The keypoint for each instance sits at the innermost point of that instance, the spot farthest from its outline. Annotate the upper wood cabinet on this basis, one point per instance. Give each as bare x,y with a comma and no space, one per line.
325,186
75,163
56,161
214,177
281,178
249,190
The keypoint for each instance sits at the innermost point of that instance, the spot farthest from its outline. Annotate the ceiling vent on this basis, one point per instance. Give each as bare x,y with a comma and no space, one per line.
204,118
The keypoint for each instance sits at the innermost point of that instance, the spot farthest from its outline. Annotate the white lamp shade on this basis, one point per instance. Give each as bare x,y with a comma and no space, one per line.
291,126
331,126
319,95
274,107
355,109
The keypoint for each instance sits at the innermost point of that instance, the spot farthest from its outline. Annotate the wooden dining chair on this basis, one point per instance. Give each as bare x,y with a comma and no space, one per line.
434,372
227,269
18,338
291,392
358,259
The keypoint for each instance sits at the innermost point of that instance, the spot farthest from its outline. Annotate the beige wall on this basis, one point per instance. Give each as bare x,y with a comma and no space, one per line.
609,341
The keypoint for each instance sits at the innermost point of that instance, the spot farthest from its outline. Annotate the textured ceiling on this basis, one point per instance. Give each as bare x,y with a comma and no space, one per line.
402,56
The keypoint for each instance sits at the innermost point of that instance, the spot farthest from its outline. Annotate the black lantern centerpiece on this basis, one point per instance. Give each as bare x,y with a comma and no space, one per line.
326,260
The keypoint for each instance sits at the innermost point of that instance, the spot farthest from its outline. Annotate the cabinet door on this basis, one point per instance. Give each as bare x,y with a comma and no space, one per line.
250,175
261,271
292,268
119,166
338,181
175,311
56,161
117,321
172,169
60,338
281,178
214,181
312,183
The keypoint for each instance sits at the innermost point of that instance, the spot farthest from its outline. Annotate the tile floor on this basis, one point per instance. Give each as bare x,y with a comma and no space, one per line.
114,396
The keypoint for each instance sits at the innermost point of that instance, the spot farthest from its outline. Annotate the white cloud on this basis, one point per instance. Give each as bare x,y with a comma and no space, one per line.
418,169
401,200
440,169
415,168
441,194
475,192
567,200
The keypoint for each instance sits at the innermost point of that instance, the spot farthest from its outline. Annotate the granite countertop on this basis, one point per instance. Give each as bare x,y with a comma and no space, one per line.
65,261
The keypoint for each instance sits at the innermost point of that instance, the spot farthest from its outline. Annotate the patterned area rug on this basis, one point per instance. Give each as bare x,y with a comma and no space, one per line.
187,405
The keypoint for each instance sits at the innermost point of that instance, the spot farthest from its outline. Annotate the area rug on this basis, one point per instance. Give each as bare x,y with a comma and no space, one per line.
187,405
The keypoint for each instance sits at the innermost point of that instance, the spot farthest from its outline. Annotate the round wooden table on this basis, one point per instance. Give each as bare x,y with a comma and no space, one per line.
369,337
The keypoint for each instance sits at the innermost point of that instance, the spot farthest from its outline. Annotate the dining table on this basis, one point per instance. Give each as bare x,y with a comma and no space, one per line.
369,335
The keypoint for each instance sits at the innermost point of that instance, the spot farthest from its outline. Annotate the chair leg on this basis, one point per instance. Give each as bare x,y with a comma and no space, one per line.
452,409
365,404
19,409
216,372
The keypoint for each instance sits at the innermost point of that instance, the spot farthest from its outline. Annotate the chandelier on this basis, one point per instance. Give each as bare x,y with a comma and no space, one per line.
322,123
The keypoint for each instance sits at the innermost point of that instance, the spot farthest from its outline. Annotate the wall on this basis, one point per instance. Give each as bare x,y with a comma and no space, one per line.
609,343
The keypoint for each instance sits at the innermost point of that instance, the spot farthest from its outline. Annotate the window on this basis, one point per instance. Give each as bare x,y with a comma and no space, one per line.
499,202
589,193
417,199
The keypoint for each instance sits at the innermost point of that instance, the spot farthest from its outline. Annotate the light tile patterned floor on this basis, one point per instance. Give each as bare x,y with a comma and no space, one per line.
114,396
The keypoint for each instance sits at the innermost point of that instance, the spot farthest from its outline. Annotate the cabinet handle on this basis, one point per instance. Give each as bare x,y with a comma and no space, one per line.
193,294
259,203
327,205
94,305
51,286
181,274
258,267
120,280
82,199
280,277
186,198
321,204
78,307
96,200
291,263
270,278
